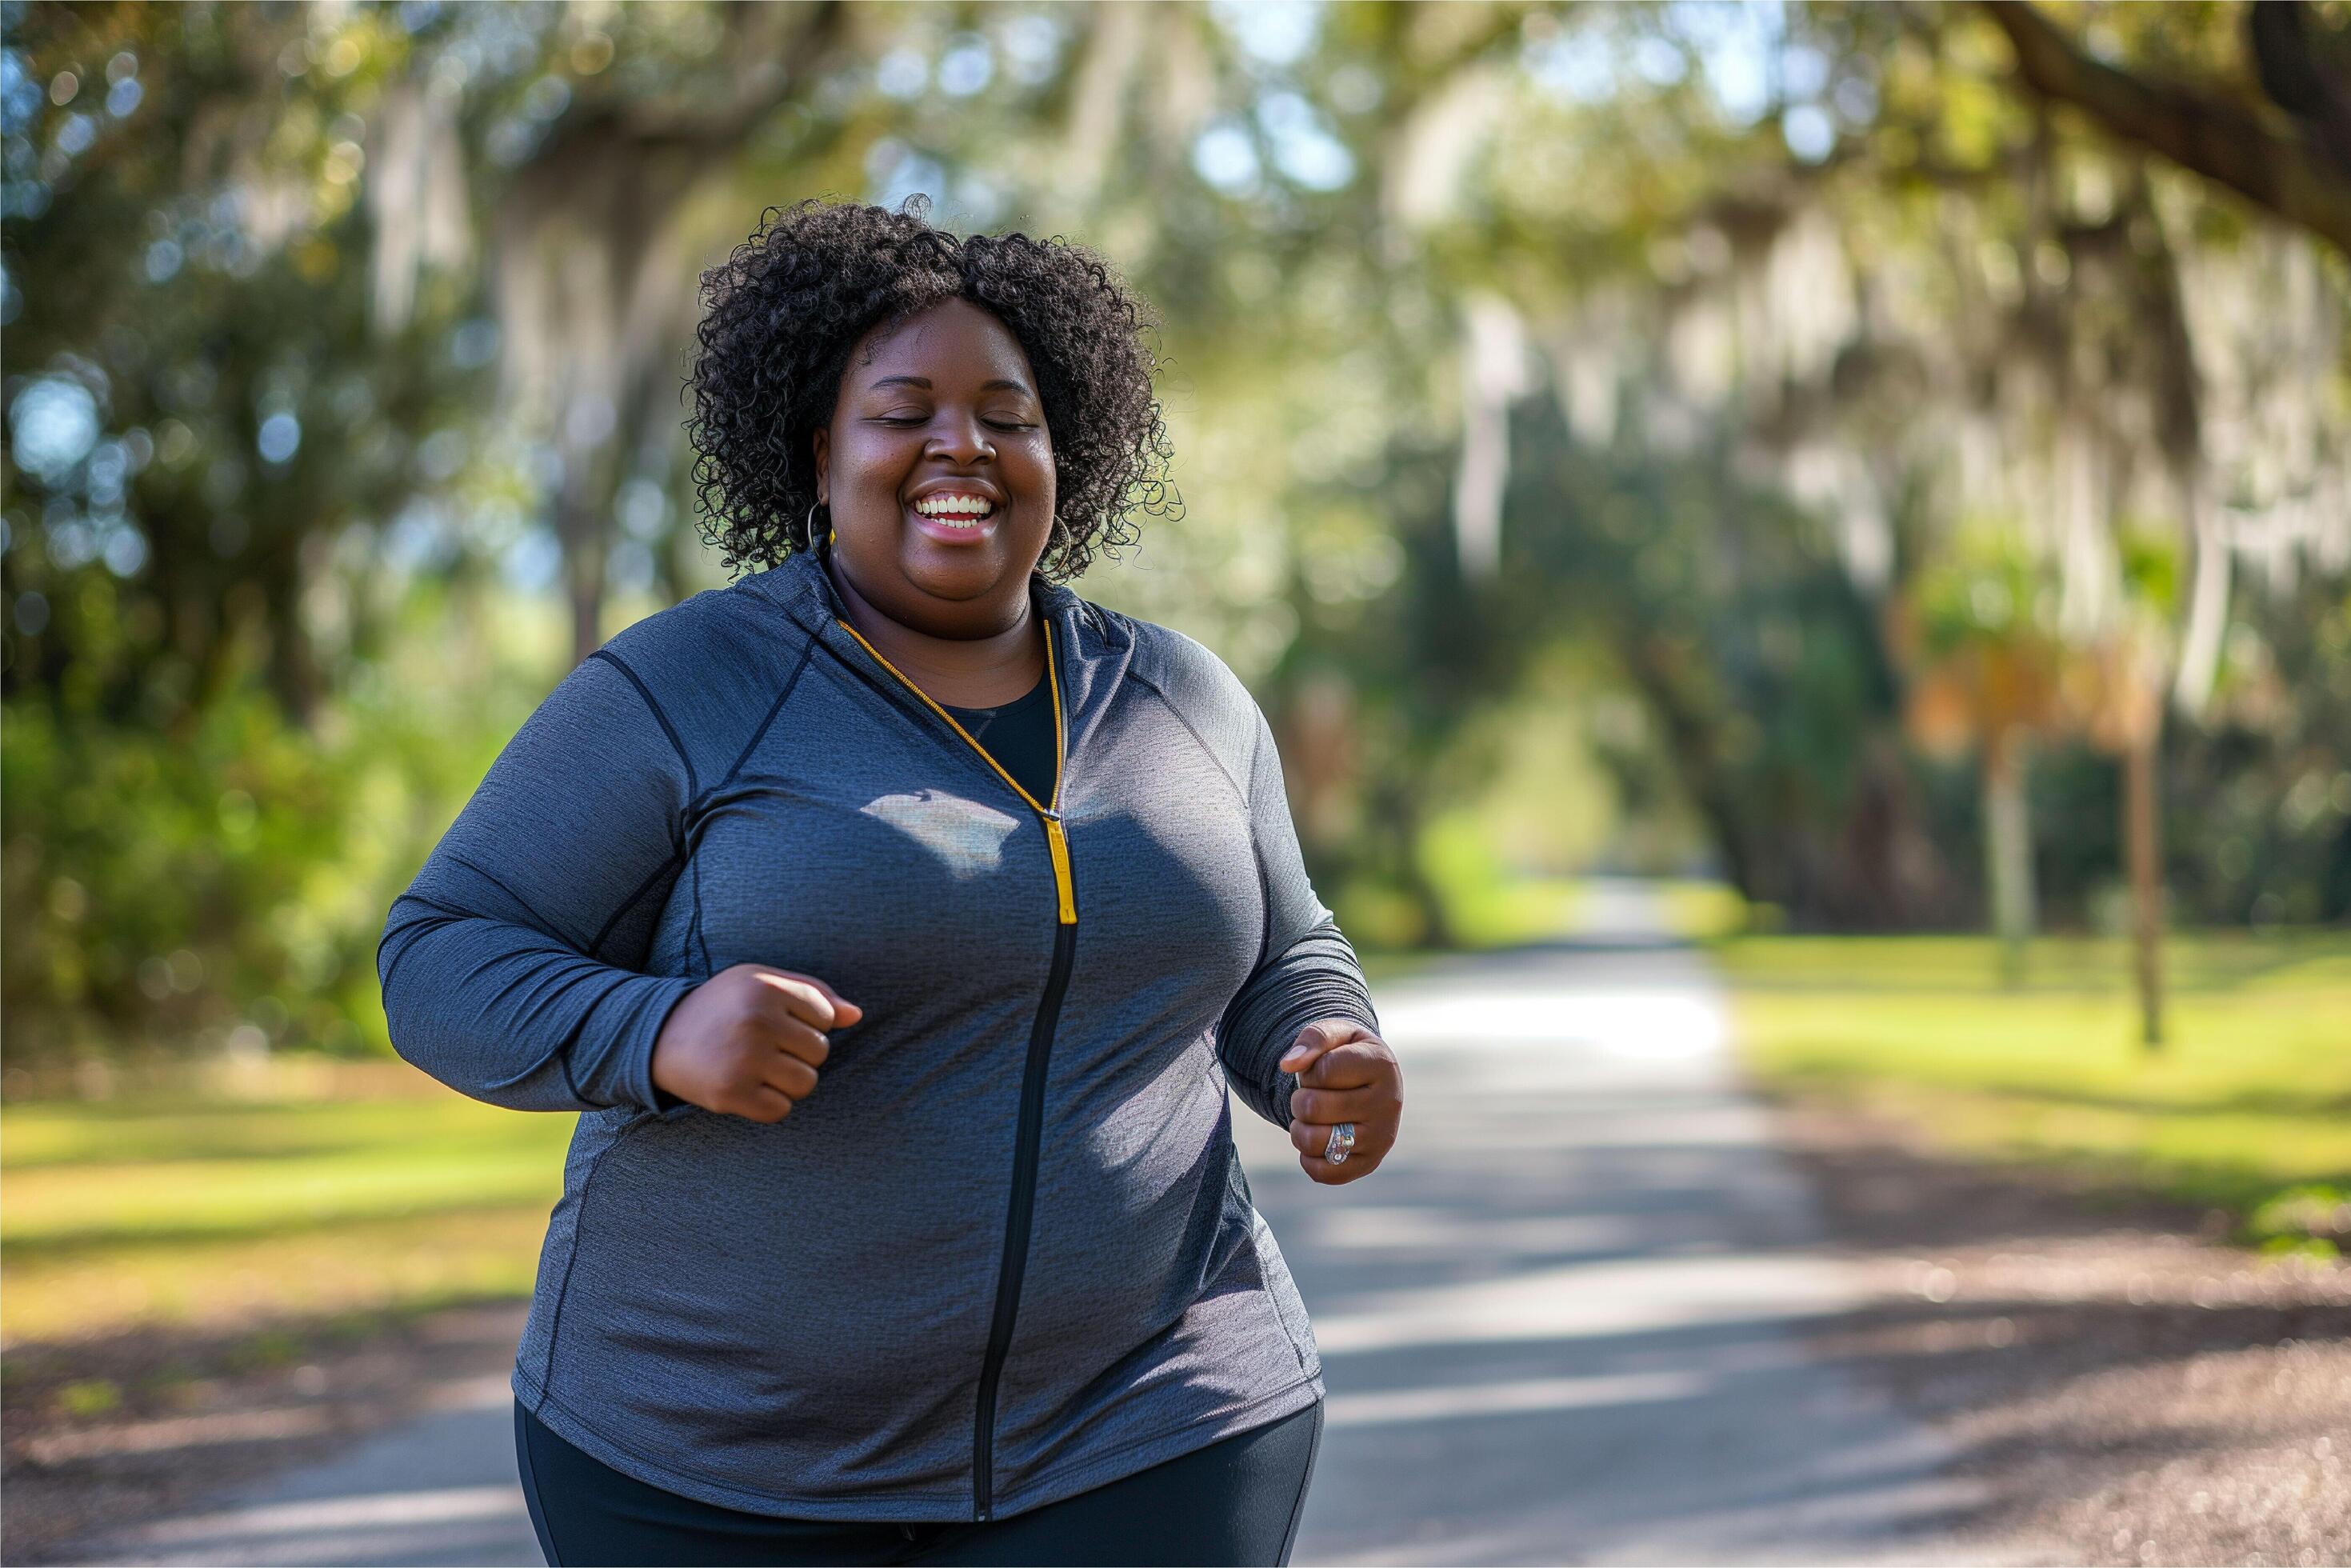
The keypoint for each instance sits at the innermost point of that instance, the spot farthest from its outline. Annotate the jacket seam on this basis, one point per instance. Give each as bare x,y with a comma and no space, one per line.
572,1259
1256,854
693,788
1198,739
1248,804
680,856
538,922
699,932
790,683
1257,1255
1239,1189
631,902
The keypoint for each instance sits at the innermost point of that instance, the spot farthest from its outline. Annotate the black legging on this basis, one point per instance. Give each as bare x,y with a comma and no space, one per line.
1234,1501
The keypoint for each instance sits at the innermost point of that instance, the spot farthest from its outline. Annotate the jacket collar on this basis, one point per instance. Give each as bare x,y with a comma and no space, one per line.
1092,649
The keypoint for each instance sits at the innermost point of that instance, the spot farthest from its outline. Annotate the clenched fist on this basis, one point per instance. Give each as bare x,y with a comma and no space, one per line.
1345,1074
747,1041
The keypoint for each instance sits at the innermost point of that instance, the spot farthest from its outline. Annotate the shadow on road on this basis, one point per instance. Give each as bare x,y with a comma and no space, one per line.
1589,1311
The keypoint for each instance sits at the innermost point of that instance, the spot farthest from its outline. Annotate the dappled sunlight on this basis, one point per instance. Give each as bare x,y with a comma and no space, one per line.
1583,1265
399,1526
1654,1023
1648,1296
1519,1396
1788,563
1421,1231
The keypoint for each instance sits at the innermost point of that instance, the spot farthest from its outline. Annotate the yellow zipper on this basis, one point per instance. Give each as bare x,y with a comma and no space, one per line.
1055,839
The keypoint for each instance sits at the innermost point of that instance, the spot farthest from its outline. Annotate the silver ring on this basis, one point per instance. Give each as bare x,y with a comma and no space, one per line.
1341,1143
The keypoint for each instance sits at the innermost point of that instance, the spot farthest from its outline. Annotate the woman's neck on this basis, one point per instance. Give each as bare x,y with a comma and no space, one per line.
955,672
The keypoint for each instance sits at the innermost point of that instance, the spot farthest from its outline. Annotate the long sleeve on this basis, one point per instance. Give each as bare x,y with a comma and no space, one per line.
508,967
1305,969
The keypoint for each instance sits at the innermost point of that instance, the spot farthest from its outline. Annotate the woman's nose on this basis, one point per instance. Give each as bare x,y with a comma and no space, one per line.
961,438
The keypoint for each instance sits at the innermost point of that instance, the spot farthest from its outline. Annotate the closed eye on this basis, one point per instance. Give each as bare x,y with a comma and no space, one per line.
923,419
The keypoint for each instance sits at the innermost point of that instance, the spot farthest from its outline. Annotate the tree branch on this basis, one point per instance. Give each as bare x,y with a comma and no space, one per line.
2285,175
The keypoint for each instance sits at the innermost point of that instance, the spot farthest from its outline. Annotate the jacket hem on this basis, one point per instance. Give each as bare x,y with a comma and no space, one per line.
1142,1453
918,1508
901,1508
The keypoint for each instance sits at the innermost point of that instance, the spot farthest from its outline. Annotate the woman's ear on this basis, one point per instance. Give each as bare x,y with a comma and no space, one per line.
819,444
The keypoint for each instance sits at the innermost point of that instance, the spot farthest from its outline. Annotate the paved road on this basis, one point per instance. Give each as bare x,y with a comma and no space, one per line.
1560,1325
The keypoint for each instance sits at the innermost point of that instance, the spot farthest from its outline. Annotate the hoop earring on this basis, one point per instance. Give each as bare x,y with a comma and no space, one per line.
808,527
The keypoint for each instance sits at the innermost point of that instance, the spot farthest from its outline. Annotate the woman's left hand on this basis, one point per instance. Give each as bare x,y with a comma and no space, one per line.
1345,1074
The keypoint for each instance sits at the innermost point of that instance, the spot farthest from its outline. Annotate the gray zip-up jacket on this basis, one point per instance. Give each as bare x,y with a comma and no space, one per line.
1005,1251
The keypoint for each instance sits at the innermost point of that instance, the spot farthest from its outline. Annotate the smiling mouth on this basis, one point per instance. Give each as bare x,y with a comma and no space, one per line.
955,525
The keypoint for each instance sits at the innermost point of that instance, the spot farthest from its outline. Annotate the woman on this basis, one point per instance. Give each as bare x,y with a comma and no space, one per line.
903,1221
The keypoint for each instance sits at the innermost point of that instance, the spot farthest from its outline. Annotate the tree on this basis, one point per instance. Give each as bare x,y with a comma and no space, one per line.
1987,667
2300,169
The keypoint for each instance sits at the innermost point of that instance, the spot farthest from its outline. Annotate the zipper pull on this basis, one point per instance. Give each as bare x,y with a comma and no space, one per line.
1058,842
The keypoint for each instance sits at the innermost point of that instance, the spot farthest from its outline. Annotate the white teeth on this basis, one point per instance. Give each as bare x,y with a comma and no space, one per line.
945,508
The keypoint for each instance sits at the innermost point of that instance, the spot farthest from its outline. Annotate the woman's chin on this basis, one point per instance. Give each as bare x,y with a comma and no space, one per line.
959,572
956,577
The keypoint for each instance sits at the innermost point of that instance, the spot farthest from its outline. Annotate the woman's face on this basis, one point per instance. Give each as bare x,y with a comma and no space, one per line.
942,405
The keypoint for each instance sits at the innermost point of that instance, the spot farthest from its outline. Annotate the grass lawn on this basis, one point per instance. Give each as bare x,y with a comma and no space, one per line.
144,1210
301,1199
2247,1108
178,1209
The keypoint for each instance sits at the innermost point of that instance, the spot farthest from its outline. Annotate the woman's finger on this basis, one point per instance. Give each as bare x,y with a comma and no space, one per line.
1315,1040
1354,1063
802,1040
806,996
1331,1106
1313,1137
1358,1163
791,1075
764,1103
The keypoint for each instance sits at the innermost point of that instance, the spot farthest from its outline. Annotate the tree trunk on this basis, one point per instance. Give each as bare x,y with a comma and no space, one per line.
585,588
2008,849
580,523
2144,850
2286,172
296,673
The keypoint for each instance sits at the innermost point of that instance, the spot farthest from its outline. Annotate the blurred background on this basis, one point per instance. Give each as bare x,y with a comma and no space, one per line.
1865,487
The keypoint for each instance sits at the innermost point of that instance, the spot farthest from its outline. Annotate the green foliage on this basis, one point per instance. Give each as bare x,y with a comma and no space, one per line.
191,864
2153,568
87,1397
2243,1110
2312,1218
1769,702
1984,589
221,882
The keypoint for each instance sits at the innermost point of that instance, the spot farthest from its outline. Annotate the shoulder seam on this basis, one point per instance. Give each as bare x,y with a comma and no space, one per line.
693,786
791,681
1139,678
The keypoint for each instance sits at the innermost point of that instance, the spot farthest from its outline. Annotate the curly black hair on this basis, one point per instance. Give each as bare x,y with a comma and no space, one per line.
786,306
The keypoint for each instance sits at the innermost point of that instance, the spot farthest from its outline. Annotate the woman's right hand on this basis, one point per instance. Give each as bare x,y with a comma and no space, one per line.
747,1041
